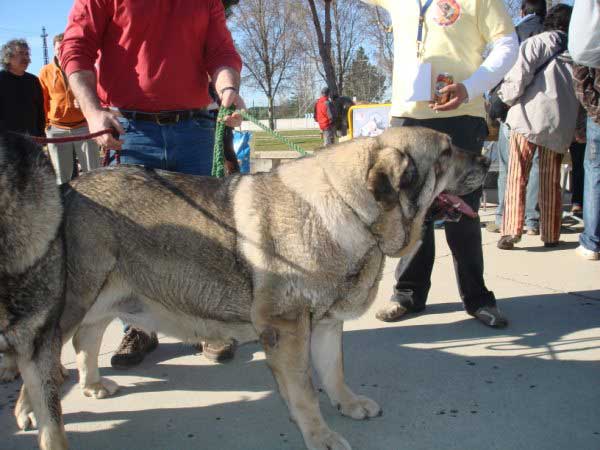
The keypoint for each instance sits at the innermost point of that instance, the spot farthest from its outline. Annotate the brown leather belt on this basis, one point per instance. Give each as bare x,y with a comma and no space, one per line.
166,117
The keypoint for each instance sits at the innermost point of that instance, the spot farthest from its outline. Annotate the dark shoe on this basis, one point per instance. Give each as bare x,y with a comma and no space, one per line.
219,351
551,244
134,347
533,232
491,316
508,242
492,227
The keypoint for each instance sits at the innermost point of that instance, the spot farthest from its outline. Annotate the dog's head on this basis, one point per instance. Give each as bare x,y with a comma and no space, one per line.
410,167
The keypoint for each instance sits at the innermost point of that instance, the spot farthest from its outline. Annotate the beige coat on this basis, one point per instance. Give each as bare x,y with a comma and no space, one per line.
544,107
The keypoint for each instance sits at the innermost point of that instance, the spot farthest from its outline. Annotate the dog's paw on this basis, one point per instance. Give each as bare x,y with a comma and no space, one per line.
102,389
326,439
25,419
359,408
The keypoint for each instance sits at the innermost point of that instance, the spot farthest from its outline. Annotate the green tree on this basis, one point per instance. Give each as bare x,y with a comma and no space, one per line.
364,81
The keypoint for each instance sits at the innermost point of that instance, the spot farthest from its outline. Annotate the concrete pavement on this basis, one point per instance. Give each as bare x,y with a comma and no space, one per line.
443,380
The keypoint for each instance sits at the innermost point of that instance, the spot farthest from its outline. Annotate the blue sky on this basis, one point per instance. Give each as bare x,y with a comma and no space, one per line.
25,18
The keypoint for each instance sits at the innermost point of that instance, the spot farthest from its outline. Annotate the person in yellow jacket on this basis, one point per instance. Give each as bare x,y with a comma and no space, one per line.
64,118
439,48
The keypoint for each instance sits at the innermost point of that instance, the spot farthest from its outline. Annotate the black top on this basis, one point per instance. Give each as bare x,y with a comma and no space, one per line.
22,103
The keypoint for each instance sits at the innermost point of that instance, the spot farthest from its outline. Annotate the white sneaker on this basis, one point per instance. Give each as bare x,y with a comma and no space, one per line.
587,254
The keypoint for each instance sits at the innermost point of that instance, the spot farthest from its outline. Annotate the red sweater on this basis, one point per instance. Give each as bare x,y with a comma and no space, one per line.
152,55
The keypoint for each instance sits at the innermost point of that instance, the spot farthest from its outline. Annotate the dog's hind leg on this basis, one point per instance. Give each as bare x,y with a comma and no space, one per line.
287,346
87,341
40,394
327,356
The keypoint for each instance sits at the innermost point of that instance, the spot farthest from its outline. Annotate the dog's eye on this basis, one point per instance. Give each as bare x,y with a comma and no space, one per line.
446,153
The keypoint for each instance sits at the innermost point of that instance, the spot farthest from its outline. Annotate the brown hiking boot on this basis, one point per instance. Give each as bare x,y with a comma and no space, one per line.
508,242
219,351
134,347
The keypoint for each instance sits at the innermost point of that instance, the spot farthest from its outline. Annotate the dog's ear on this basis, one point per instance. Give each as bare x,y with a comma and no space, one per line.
394,170
445,155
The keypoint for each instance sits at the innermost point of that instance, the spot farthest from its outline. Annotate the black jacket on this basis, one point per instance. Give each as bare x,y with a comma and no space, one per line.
22,104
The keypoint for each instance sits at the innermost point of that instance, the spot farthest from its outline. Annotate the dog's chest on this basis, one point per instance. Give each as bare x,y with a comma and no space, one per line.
359,288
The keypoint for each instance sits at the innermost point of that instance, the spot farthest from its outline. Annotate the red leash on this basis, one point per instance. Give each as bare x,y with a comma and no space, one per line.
62,140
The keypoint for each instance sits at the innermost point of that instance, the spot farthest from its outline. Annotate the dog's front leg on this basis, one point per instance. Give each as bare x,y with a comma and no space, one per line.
327,354
40,393
287,346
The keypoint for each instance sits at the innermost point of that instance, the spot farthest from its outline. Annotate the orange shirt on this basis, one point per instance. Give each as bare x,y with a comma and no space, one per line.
59,101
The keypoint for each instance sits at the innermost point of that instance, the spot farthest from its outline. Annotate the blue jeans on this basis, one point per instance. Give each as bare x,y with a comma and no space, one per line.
532,215
590,238
185,146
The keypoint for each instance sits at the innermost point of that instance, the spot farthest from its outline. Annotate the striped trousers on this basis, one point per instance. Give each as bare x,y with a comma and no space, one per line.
550,196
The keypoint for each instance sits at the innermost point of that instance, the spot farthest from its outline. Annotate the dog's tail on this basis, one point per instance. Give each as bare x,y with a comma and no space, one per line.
30,203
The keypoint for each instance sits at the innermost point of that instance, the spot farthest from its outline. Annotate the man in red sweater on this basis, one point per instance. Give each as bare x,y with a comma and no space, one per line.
143,68
325,117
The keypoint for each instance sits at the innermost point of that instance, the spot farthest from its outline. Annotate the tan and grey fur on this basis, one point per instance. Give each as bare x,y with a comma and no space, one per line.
283,257
32,279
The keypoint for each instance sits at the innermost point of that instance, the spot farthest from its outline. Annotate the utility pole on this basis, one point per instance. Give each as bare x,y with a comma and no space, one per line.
44,36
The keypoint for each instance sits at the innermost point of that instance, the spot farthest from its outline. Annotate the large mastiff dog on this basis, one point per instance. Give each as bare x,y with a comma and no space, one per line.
283,257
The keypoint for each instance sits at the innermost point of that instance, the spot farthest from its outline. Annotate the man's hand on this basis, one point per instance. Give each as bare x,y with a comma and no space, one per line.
458,95
231,97
83,84
101,119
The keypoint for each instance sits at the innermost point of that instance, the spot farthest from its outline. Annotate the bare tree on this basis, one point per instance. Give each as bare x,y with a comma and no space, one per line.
265,39
348,27
324,41
381,38
339,30
305,84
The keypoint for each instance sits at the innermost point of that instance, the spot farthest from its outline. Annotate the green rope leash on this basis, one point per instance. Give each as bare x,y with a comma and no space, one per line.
218,168
273,133
218,164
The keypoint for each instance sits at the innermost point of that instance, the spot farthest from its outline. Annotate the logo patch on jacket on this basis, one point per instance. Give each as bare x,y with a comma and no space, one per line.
447,12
